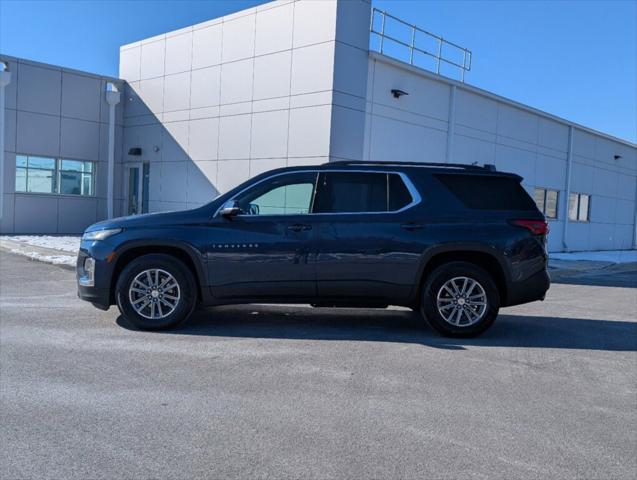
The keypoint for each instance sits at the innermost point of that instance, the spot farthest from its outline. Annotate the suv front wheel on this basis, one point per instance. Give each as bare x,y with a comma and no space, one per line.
460,299
155,292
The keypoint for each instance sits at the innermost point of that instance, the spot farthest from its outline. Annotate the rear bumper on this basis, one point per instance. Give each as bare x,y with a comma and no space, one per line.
529,290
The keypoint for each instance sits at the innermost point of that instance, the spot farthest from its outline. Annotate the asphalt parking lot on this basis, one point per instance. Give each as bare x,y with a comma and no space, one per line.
293,392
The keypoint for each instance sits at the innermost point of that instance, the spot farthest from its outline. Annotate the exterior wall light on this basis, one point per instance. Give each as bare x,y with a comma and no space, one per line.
398,93
617,157
135,151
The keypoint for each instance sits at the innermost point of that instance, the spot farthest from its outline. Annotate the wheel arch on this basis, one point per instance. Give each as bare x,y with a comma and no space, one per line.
482,256
185,253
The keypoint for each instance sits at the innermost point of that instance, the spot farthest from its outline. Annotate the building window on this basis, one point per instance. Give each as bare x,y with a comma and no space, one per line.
35,174
54,176
579,207
546,201
75,177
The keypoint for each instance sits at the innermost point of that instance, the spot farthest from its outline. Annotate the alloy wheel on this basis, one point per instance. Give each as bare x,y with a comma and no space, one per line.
461,301
154,294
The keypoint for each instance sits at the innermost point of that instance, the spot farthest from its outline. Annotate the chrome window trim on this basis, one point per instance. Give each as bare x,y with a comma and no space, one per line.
411,188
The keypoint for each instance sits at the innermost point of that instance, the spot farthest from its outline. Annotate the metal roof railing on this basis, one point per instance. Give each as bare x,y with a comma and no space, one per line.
439,54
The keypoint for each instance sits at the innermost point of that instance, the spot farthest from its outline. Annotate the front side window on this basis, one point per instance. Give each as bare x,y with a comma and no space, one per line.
54,176
546,201
361,192
289,194
578,207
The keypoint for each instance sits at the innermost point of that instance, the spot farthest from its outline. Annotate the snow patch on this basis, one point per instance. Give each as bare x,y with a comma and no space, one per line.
67,243
54,259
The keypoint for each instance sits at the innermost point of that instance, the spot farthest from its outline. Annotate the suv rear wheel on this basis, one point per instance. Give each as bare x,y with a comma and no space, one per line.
156,291
460,299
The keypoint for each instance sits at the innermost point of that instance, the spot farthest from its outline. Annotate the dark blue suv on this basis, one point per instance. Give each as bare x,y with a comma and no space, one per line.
455,242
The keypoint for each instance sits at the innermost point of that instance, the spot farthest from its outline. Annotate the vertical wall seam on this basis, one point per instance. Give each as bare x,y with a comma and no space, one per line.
96,176
287,147
371,111
569,169
219,100
192,48
17,92
57,172
451,124
254,51
635,215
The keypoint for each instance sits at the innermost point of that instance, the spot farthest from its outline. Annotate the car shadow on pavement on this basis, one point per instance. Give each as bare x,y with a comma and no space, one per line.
398,326
621,275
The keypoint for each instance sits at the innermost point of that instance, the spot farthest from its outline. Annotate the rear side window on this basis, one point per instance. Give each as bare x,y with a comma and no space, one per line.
399,196
351,192
360,192
482,192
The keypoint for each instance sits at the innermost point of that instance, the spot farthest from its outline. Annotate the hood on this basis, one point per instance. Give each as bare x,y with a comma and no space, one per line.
181,217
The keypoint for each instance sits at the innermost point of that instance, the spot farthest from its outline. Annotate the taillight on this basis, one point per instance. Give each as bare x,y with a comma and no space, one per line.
536,227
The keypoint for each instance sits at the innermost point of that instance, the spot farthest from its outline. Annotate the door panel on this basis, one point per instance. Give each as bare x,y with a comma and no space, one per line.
264,252
369,242
261,257
366,256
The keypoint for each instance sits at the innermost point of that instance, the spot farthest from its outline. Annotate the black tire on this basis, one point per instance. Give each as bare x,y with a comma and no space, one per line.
433,285
181,274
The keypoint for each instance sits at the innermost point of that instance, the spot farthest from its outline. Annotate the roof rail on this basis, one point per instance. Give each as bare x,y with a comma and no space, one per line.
463,166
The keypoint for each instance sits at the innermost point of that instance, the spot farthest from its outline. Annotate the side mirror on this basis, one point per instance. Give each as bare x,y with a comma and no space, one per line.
230,209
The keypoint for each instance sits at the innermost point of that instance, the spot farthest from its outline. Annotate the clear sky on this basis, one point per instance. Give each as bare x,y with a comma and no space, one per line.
575,59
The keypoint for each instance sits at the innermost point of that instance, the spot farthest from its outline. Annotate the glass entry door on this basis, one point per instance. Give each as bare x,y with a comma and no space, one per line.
137,188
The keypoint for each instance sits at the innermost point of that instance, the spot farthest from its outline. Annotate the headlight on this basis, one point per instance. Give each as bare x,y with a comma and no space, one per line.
100,234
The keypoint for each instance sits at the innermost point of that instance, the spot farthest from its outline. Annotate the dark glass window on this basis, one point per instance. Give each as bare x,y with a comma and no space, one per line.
486,192
399,196
351,192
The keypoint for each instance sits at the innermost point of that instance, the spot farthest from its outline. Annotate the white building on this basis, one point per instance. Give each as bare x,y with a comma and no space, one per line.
295,83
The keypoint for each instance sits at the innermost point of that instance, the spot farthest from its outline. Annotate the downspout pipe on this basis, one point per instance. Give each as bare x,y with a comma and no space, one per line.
5,79
112,98
569,169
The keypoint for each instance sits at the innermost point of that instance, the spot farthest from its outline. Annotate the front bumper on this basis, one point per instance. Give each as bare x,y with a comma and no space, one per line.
99,297
94,288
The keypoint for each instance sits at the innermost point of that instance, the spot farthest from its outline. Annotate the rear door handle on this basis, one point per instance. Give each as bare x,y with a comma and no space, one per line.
412,226
298,227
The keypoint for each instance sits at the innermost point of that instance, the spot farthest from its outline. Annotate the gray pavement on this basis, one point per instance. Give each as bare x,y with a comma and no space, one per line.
293,392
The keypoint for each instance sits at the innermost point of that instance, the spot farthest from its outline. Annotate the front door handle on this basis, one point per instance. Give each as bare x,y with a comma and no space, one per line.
298,227
411,226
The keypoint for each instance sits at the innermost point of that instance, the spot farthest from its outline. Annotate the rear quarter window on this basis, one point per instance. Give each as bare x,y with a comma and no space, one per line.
485,192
